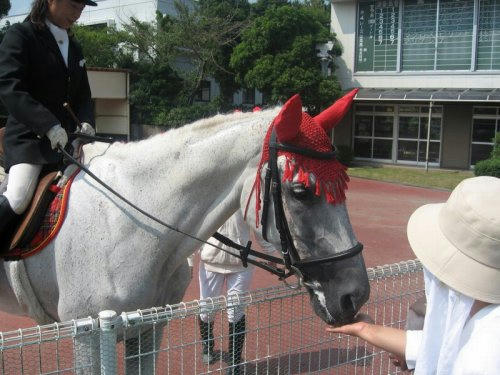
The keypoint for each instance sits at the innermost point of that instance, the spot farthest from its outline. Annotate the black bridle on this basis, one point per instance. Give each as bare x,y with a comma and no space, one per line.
272,185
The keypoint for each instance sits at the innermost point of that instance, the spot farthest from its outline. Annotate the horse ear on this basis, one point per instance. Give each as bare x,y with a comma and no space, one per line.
331,116
288,121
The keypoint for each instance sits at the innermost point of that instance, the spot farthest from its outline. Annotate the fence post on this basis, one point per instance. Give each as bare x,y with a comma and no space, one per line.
107,324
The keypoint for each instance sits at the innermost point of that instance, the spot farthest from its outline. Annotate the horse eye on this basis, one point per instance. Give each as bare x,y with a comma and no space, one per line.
299,191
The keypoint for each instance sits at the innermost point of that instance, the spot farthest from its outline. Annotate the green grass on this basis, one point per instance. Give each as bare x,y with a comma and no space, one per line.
434,178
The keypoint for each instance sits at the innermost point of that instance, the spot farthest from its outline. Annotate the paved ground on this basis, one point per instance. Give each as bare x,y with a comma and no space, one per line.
379,212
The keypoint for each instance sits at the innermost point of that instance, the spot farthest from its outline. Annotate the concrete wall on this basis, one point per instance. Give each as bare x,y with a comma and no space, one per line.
110,91
108,84
343,24
455,146
112,116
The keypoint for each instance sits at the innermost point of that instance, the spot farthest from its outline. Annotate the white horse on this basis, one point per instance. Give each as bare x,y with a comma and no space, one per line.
109,256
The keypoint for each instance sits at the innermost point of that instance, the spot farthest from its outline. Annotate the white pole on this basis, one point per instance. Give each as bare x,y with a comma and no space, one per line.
428,137
107,324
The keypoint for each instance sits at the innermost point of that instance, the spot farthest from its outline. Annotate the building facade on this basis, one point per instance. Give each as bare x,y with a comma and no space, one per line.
112,12
415,62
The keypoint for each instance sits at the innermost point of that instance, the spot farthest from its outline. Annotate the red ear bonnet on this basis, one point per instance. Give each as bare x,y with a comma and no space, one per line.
287,123
299,129
331,116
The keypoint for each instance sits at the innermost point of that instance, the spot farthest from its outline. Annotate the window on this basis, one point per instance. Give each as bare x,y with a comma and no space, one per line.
373,132
426,35
203,94
378,24
412,134
265,98
249,96
437,35
397,133
488,43
485,123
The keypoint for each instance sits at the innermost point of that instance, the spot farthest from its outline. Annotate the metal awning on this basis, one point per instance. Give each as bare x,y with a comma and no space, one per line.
435,95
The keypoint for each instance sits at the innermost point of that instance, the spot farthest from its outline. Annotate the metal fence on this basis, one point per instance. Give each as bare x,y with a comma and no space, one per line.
283,335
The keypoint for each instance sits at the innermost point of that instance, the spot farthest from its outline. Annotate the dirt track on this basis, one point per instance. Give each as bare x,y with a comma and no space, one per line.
379,212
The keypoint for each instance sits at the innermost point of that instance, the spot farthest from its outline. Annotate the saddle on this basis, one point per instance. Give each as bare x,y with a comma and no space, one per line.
33,216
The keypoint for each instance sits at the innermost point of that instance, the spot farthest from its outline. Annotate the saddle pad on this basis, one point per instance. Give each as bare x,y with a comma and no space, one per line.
32,218
51,223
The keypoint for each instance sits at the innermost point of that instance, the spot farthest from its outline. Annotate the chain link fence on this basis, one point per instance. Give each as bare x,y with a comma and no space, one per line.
281,335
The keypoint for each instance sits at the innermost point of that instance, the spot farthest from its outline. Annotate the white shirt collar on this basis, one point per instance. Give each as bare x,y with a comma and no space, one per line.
60,34
61,37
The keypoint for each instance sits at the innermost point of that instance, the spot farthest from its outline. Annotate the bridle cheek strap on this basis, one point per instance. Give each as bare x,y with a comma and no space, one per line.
272,186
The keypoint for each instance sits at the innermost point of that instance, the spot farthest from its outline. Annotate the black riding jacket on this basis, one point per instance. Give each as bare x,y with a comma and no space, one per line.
34,84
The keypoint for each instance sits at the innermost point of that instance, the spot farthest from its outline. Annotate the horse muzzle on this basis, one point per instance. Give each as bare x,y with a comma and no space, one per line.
339,298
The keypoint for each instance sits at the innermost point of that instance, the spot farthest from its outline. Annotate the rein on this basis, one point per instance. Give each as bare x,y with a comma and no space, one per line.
244,251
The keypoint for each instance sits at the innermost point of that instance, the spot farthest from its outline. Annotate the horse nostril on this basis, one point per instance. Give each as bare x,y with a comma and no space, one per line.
347,302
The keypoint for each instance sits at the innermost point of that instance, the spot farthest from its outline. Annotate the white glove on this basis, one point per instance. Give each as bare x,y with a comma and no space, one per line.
86,128
57,136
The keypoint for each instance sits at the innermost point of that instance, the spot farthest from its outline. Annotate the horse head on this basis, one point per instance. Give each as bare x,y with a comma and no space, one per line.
306,216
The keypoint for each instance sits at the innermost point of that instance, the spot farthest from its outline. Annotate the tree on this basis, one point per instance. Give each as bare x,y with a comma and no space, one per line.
4,8
102,46
261,6
173,55
153,83
204,36
278,55
239,12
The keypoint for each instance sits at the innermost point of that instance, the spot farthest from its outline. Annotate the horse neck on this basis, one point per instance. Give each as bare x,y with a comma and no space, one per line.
211,150
193,175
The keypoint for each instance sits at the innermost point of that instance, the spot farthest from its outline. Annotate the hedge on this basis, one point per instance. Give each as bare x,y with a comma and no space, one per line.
488,167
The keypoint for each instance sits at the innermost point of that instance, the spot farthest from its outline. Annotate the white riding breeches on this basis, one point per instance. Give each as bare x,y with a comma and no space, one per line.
211,284
21,185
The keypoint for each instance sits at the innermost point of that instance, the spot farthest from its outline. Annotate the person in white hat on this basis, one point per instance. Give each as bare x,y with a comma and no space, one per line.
458,243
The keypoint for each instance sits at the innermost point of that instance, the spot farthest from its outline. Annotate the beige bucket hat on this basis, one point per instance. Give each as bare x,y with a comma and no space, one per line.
459,241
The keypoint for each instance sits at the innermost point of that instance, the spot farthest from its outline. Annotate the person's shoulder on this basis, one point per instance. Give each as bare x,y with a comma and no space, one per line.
26,26
478,353
485,323
491,312
21,29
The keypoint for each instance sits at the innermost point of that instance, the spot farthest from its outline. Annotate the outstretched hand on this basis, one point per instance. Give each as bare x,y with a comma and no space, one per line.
362,321
392,340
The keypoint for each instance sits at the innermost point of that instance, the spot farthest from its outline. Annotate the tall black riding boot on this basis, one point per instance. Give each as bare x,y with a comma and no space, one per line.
207,337
236,342
8,221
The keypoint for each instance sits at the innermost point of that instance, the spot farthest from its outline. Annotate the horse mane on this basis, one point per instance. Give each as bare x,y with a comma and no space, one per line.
206,127
187,135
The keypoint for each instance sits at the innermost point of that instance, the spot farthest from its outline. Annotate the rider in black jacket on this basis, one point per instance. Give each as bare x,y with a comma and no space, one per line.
41,67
